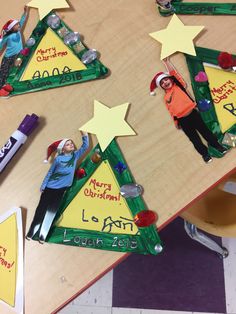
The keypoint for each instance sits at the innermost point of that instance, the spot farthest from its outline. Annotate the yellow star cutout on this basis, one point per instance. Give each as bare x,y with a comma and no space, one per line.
177,37
107,123
46,6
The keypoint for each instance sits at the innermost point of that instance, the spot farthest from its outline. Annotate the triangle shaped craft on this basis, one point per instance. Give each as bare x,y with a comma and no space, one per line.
11,262
103,209
214,89
168,7
53,56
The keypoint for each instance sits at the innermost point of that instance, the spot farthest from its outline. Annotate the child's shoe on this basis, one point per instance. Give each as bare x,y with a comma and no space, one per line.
207,158
222,149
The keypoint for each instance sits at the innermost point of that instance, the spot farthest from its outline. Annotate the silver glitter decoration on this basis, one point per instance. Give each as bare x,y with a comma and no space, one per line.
89,56
131,190
30,42
53,21
71,38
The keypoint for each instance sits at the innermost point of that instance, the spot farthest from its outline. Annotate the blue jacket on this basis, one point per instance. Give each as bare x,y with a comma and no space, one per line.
61,173
13,41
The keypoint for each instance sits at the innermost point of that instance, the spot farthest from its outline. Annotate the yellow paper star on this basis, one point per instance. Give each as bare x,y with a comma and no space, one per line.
107,123
46,6
177,37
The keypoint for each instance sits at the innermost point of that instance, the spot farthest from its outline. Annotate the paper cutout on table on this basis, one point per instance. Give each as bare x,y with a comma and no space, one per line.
93,214
46,6
223,91
177,37
51,56
201,8
98,204
11,261
108,123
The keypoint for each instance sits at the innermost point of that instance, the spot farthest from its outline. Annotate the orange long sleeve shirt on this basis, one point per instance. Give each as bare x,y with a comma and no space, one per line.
176,100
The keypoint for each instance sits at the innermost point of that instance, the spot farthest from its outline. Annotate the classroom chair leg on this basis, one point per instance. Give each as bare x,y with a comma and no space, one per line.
204,240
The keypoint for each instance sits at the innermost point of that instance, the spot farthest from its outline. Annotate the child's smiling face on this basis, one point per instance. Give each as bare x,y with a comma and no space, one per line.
16,28
166,83
69,147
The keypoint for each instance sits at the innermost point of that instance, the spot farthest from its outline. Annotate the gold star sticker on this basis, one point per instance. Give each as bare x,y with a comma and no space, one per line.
46,6
177,37
107,123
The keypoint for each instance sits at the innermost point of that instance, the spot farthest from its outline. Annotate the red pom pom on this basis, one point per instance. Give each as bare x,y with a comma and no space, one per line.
225,60
80,173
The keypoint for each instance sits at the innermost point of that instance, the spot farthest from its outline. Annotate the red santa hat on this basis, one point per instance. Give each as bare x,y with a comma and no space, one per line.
56,146
156,81
8,26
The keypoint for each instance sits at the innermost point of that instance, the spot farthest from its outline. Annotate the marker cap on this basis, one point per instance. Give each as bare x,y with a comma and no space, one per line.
28,124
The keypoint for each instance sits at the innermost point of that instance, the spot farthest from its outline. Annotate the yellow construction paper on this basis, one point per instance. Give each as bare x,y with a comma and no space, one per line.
52,57
108,123
46,6
99,206
223,91
177,37
8,259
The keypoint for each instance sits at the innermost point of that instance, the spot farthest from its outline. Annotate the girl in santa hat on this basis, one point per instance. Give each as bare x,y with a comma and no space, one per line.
58,179
182,109
11,38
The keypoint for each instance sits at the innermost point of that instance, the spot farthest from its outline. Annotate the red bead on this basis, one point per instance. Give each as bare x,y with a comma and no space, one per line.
145,218
80,173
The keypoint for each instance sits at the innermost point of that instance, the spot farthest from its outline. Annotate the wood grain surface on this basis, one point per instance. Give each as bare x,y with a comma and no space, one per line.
160,158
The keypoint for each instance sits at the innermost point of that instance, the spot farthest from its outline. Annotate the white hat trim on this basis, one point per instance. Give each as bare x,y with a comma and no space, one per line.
160,77
61,145
12,24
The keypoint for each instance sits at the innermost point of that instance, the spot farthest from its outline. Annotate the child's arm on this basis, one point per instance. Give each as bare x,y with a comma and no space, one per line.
84,146
24,16
172,71
48,175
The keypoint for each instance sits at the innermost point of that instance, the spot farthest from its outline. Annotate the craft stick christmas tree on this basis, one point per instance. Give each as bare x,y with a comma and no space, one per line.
214,85
11,262
212,121
168,7
104,208
54,55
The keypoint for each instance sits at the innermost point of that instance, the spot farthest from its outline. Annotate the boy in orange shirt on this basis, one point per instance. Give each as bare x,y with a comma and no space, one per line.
182,109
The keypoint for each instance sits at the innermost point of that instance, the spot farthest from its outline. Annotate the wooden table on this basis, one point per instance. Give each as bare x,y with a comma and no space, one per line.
161,158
